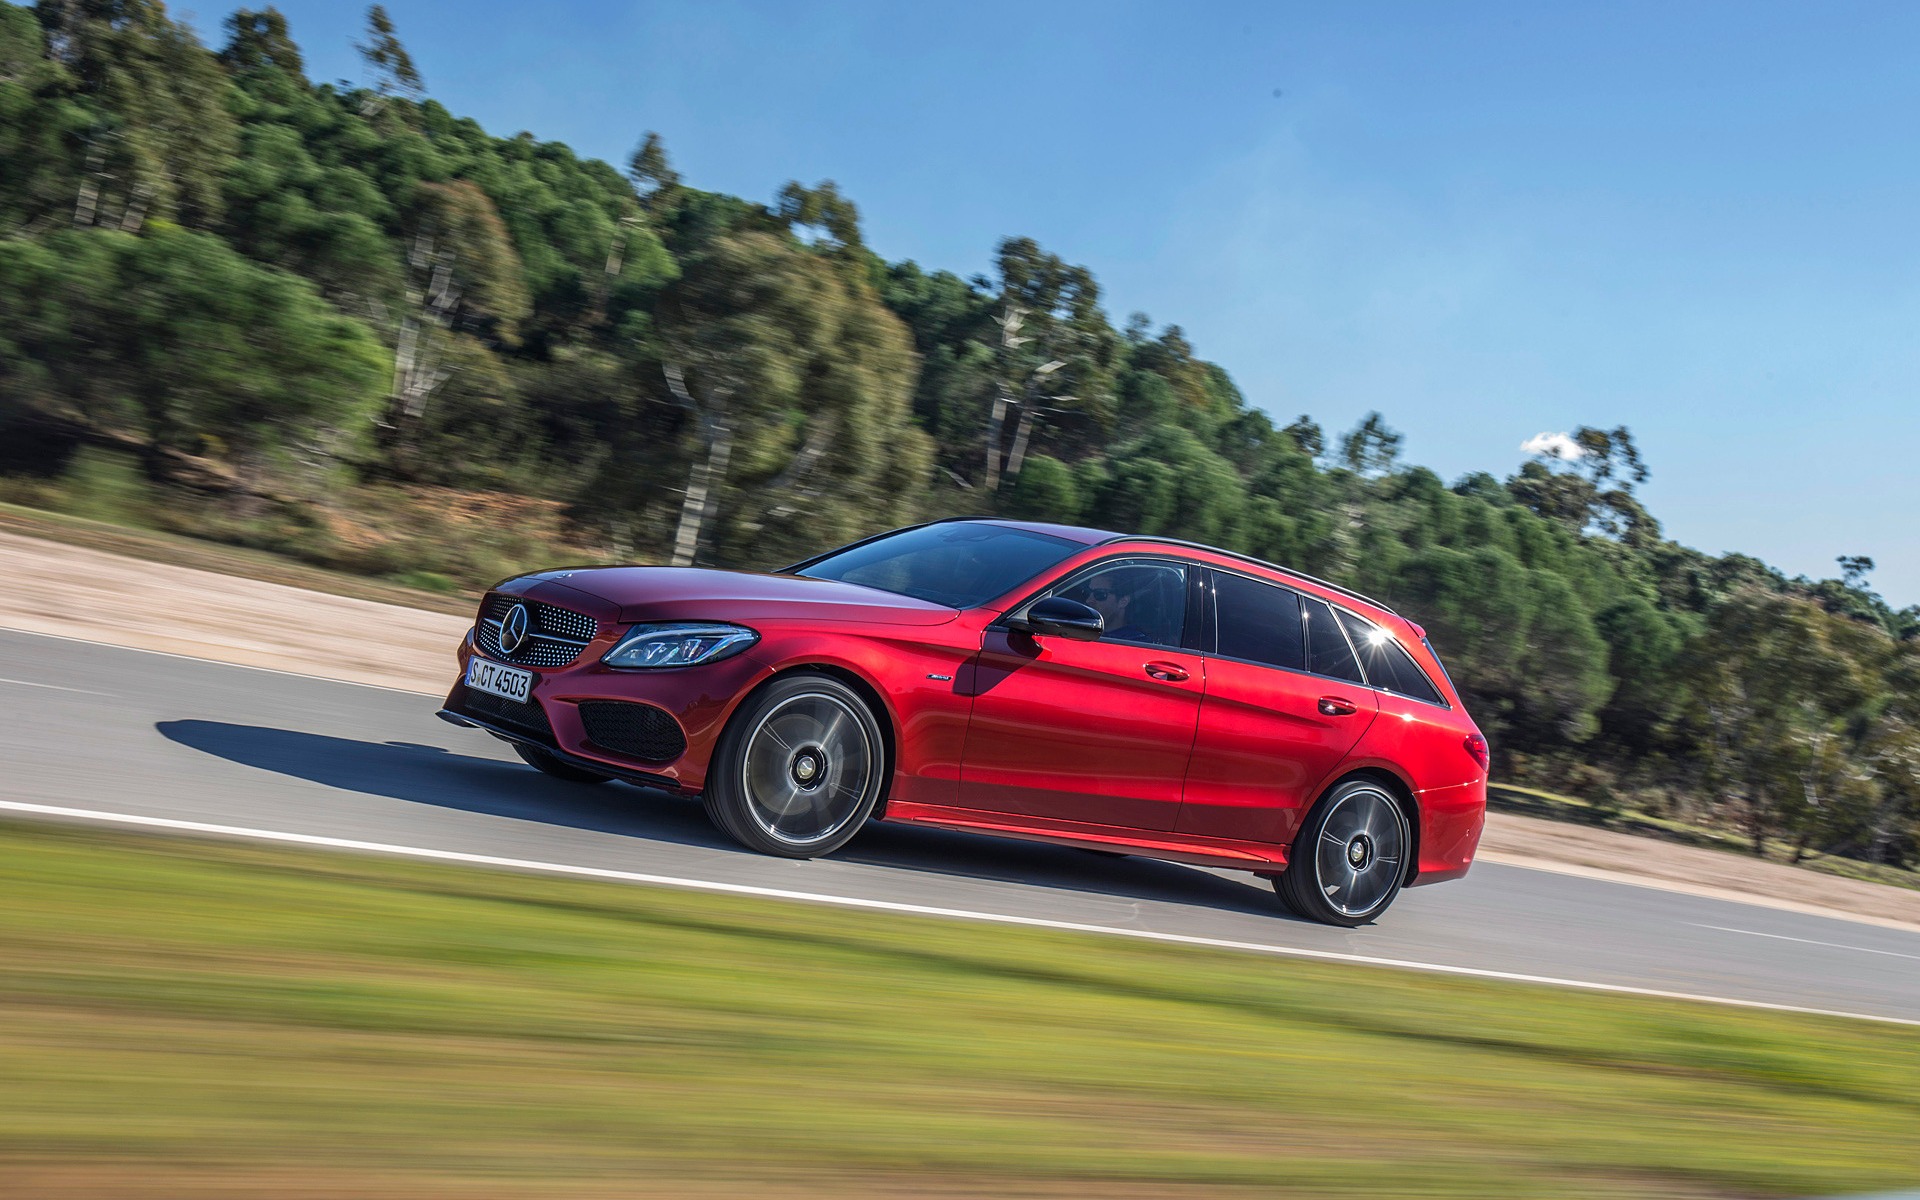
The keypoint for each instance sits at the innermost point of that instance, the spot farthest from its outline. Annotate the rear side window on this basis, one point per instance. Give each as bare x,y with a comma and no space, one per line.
1327,649
1258,622
1388,664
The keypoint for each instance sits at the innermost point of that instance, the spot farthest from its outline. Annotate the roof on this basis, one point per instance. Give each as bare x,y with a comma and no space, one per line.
1102,537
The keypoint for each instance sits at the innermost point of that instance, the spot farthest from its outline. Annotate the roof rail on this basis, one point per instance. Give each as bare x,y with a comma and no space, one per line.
1258,562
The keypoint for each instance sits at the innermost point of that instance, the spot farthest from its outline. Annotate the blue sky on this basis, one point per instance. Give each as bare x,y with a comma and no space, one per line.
1486,221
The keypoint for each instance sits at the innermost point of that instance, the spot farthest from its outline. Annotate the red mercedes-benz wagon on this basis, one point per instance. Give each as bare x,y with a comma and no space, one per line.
1123,693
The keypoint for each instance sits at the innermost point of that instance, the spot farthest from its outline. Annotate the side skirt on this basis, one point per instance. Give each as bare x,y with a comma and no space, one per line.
1165,845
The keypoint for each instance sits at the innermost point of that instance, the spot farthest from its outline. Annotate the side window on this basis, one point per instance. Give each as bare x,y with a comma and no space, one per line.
1388,664
1327,649
1143,600
1258,622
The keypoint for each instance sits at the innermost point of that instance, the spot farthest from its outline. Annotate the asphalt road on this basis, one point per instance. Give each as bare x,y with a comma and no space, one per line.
118,731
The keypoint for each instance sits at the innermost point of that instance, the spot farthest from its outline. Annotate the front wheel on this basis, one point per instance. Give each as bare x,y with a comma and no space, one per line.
1350,857
799,769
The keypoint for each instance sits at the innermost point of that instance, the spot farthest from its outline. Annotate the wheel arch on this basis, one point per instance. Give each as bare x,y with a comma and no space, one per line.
1403,795
861,686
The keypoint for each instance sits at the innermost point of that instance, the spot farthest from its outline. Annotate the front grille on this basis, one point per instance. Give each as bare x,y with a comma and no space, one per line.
528,718
636,730
555,635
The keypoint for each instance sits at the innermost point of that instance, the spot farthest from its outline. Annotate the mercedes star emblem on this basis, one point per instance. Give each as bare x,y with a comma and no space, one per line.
513,629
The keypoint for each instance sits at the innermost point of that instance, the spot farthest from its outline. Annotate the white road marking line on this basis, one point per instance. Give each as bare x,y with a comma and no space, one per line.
961,914
1808,941
52,687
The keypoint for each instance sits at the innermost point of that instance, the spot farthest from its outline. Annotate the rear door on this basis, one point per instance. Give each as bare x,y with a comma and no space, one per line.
1094,732
1285,703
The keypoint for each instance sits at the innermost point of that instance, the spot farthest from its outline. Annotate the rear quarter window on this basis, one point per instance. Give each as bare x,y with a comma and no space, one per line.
1389,666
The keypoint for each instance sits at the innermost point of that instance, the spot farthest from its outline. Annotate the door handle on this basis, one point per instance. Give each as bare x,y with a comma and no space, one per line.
1166,672
1337,706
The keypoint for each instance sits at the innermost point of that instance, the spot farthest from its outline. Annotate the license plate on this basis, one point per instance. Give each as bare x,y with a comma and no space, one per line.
510,683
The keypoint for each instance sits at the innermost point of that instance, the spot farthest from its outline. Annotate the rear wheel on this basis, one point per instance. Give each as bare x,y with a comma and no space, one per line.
548,764
1349,858
799,769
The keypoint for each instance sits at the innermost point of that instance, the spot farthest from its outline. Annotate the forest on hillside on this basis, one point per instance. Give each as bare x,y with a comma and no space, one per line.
318,318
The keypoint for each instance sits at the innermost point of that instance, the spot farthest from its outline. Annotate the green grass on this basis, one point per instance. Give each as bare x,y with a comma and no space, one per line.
193,1018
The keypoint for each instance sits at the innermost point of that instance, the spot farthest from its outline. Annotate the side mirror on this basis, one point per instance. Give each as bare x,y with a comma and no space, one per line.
1057,616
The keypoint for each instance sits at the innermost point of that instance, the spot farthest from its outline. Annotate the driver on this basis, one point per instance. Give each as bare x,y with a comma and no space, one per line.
1107,595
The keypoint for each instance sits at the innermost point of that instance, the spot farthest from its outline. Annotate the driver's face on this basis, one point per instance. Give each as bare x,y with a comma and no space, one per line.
1110,603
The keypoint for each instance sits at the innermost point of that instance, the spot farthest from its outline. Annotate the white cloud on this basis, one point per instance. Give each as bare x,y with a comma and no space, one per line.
1553,445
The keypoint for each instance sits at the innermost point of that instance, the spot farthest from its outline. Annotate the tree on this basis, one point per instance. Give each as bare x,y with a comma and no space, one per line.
259,41
1773,677
174,339
463,273
796,383
1170,483
1586,480
1370,448
1307,435
1053,352
393,71
1854,569
654,178
43,121
821,207
159,134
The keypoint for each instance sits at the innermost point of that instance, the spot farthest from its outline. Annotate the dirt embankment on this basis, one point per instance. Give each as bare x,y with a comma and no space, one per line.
82,593
98,596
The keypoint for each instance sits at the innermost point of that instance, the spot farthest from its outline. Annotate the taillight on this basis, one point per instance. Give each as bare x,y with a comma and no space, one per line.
1476,747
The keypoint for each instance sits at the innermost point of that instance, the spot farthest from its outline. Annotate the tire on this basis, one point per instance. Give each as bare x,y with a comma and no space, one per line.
1350,856
547,764
799,768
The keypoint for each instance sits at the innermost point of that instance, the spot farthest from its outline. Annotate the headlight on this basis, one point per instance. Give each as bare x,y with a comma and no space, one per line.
678,645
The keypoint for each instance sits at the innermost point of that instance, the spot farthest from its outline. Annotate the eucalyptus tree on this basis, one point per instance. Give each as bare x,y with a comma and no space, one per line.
796,382
1054,353
259,40
393,71
159,135
462,274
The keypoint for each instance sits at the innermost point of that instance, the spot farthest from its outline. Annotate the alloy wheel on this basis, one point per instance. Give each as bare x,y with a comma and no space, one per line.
807,769
1360,855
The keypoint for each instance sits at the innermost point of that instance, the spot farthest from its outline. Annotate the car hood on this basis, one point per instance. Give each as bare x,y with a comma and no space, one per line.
699,594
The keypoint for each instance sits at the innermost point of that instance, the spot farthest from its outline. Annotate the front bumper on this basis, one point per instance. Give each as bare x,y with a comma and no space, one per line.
685,710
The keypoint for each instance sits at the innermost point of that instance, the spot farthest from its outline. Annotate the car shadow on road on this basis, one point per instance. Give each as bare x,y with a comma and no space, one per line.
423,774
431,775
1037,864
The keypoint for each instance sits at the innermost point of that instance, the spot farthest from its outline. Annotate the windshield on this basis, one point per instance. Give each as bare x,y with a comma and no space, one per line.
960,564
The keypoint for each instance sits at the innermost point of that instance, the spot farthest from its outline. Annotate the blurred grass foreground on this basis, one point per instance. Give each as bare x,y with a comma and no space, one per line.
187,1018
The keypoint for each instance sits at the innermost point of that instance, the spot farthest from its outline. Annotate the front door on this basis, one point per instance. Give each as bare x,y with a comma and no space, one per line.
1096,732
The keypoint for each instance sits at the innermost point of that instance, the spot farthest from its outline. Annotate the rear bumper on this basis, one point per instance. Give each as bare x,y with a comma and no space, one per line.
1451,821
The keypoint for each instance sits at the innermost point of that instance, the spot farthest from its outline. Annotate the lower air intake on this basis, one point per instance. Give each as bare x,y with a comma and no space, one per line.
636,730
